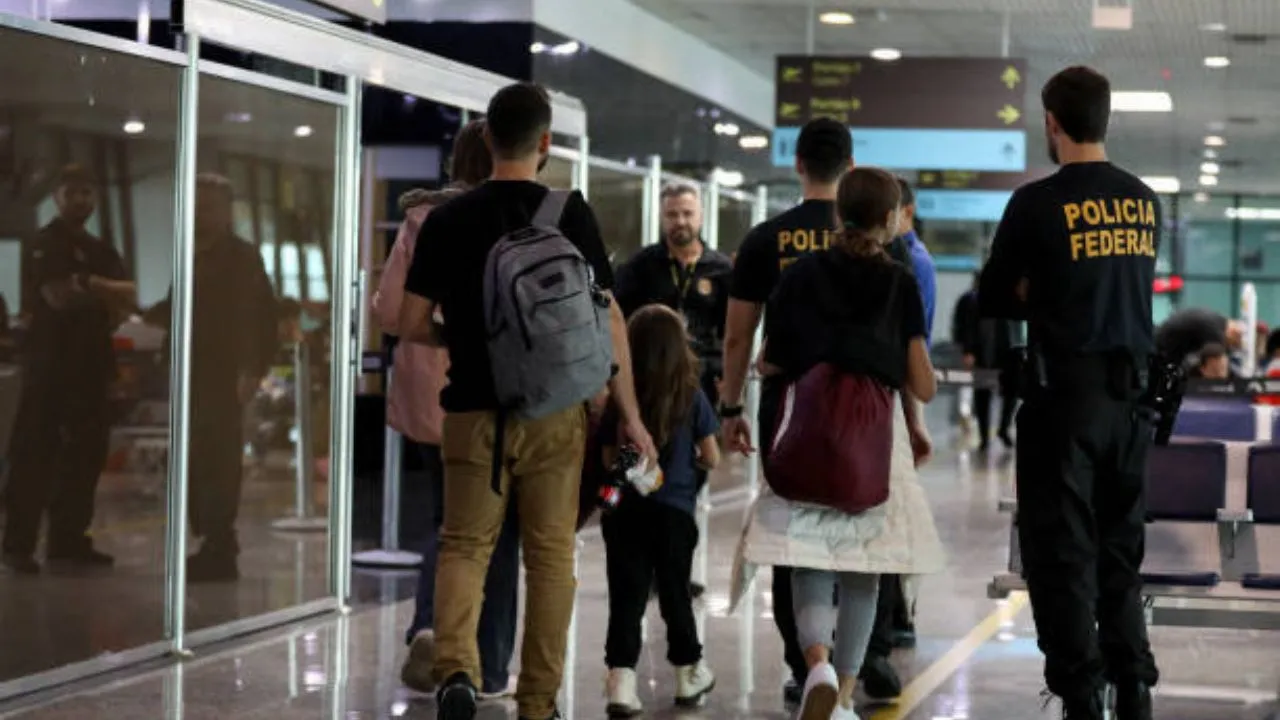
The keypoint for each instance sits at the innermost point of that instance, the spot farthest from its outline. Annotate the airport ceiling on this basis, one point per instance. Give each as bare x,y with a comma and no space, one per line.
1164,50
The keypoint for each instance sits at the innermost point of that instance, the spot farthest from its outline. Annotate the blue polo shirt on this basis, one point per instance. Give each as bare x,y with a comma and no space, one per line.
927,277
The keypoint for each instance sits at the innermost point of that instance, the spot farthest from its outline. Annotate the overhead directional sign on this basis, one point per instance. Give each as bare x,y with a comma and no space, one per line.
967,195
918,103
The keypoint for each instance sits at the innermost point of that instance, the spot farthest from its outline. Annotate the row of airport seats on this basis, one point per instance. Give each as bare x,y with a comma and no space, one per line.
1221,468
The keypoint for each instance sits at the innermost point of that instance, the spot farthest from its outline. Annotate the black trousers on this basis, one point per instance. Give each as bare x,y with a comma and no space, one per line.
1081,461
647,541
891,615
982,412
216,470
57,451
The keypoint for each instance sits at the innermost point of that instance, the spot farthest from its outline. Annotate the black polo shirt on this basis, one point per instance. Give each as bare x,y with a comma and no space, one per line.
700,293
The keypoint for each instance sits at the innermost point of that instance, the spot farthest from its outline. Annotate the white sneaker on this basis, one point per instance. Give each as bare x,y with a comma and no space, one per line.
504,693
844,713
693,682
821,694
620,689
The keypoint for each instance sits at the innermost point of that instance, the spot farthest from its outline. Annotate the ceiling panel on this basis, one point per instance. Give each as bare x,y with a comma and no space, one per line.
1164,51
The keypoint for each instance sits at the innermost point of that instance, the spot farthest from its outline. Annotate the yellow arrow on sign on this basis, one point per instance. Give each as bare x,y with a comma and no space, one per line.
1009,114
792,74
1011,77
787,110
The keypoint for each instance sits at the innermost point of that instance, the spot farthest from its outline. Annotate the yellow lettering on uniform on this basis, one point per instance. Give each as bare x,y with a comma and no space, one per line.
1135,242
1146,246
804,240
1151,214
784,263
826,239
1091,213
1077,242
1122,241
784,239
1108,219
1130,211
1072,211
1106,242
1090,239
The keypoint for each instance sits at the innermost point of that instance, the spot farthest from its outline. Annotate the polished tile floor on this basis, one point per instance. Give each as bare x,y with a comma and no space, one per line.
976,658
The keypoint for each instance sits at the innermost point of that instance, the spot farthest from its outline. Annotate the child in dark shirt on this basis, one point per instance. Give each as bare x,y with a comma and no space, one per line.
650,539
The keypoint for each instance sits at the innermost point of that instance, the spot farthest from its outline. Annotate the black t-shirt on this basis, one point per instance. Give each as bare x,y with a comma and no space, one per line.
699,293
858,313
1085,238
775,244
75,338
448,269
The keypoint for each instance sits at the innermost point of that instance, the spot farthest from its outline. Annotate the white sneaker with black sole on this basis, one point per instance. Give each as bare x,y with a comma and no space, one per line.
693,683
456,699
620,691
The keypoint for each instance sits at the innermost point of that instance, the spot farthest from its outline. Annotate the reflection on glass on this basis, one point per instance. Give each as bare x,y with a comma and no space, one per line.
259,339
558,173
86,220
735,222
618,201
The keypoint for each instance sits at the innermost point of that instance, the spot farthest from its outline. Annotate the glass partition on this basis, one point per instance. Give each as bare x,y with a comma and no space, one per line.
736,214
1206,248
558,173
260,371
87,152
617,197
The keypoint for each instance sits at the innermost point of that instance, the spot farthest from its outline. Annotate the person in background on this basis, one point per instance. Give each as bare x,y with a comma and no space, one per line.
1272,353
413,409
1212,363
685,275
234,340
74,287
650,540
1183,333
964,333
1260,345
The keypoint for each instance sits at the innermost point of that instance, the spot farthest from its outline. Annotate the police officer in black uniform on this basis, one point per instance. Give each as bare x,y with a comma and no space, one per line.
1074,256
684,274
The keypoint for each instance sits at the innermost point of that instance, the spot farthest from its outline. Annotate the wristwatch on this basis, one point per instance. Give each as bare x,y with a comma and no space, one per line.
728,412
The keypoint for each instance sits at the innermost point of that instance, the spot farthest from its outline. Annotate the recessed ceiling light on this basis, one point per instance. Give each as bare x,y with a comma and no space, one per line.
1214,27
753,142
135,127
1141,101
836,18
302,131
1201,197
1214,141
728,128
566,48
1210,154
537,48
239,117
1217,61
1162,183
886,54
1208,180
1210,168
727,178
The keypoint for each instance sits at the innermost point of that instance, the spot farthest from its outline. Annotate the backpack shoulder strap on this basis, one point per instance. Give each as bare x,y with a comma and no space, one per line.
551,209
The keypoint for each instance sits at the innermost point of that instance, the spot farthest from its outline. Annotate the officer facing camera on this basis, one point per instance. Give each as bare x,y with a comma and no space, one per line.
1075,256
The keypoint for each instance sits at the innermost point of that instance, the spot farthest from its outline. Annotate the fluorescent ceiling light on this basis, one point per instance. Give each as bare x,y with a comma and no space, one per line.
239,117
1253,213
1214,27
1202,197
1163,184
728,128
1214,141
1210,168
1208,180
1141,101
836,18
753,142
727,178
886,54
538,48
302,131
566,48
135,127
1112,18
1217,61
1210,154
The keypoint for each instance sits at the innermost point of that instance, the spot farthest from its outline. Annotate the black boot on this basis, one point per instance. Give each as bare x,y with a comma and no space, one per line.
1085,706
879,680
1133,701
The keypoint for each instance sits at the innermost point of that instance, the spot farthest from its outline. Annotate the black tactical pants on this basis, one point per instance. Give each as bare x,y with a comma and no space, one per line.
1081,461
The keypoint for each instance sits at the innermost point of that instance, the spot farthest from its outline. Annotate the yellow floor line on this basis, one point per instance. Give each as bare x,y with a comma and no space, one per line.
928,682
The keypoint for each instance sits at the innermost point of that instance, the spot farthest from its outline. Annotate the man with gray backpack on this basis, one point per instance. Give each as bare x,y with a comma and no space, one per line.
513,278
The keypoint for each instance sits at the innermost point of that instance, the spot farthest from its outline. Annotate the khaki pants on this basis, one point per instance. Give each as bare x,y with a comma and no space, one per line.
543,473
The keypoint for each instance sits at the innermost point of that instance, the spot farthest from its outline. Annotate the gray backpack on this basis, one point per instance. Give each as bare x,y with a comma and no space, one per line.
548,325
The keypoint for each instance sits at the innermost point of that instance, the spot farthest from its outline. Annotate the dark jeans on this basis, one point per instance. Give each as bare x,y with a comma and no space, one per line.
216,471
771,392
982,410
648,542
1081,462
496,636
57,451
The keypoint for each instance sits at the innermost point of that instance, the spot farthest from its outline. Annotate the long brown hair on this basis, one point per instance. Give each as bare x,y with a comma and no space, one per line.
665,370
471,163
865,198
